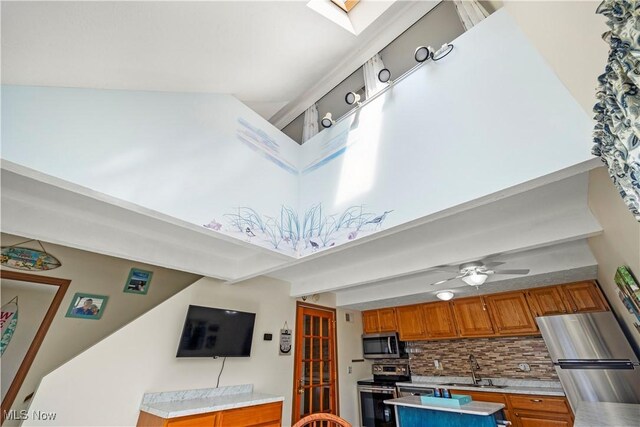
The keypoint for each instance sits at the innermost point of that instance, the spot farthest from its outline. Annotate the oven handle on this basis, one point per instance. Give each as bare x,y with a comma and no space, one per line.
376,389
389,345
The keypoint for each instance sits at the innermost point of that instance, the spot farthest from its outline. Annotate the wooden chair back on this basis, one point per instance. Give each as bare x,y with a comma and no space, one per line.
322,420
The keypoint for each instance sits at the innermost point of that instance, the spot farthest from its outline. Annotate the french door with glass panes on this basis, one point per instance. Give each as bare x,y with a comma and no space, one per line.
315,386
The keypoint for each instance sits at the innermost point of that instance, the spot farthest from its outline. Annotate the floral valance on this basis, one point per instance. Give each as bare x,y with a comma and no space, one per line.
617,131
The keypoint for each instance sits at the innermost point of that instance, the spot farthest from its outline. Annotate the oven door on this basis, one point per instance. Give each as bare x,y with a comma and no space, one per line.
380,346
373,411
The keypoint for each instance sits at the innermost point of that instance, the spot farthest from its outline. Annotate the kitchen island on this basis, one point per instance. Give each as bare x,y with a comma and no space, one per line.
411,412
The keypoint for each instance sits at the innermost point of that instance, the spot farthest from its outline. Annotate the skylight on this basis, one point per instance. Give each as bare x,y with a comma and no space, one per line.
345,5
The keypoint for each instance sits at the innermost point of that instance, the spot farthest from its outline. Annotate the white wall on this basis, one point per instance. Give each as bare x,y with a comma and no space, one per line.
181,154
489,116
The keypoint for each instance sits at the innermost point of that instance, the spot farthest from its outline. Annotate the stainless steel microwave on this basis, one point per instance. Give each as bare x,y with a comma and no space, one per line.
382,346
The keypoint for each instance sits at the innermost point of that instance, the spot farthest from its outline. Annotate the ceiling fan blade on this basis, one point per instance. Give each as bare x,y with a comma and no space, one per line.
446,268
490,265
440,282
516,271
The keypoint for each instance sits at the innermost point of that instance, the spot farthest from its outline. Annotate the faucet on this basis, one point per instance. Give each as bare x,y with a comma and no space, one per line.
474,366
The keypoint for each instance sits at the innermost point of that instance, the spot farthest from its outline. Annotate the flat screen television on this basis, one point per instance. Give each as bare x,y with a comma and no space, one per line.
216,332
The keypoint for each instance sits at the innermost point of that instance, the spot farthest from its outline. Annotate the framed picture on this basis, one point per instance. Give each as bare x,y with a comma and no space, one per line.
87,306
629,292
138,281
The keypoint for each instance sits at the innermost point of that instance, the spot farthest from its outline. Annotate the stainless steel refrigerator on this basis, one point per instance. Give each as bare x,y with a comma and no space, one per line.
593,358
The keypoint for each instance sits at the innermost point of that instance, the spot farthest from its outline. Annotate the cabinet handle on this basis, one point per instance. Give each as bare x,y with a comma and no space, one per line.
536,400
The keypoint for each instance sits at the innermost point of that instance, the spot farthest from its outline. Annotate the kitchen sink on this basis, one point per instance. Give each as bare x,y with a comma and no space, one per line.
473,385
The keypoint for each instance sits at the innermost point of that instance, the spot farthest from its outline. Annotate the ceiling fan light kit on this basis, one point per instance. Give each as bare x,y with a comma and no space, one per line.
476,273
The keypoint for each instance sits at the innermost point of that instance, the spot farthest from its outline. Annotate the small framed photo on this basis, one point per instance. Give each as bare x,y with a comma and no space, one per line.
138,281
87,306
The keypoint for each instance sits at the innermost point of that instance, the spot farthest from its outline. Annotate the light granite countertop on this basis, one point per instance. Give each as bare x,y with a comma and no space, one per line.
606,414
511,386
174,404
473,408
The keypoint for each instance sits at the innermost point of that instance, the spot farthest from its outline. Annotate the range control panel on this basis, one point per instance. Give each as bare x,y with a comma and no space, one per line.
389,369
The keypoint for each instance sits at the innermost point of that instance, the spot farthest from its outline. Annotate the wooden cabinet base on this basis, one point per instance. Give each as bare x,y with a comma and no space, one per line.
266,415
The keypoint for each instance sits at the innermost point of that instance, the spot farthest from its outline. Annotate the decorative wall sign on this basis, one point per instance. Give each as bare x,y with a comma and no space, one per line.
629,292
87,306
285,340
8,322
138,281
28,259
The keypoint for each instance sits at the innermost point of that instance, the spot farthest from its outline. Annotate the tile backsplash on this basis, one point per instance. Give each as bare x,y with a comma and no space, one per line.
497,357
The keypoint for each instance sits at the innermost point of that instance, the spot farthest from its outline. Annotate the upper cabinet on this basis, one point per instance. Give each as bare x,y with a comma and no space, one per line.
411,325
438,320
382,320
472,317
502,314
370,324
547,301
511,314
387,320
584,297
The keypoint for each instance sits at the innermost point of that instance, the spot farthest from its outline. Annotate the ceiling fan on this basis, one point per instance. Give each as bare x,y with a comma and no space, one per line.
477,272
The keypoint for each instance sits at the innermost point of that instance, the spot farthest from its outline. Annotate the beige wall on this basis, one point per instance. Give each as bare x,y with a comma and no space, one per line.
95,274
568,34
141,358
619,244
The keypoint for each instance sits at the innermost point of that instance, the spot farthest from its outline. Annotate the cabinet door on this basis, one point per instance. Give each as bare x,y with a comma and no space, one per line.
387,320
547,301
259,415
370,324
438,320
472,317
538,419
511,314
584,297
410,323
204,420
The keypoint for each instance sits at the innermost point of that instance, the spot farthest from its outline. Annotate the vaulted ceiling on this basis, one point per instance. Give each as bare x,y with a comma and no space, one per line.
267,54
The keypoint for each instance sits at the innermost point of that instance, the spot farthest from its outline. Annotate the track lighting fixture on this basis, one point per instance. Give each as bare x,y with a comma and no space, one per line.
327,121
423,53
352,98
384,75
442,52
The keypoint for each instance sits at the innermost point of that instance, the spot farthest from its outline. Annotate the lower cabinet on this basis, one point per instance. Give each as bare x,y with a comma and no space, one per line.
525,410
266,415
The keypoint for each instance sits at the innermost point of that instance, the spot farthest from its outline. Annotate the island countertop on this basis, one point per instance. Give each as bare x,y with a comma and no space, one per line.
509,386
192,402
472,408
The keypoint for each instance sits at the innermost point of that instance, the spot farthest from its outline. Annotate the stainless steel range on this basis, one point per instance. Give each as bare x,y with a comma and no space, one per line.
373,411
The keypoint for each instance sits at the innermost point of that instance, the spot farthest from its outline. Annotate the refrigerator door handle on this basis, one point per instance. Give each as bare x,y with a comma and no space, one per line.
595,364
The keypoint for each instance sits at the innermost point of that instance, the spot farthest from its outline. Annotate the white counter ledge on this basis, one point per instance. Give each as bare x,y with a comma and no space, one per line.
472,408
605,414
511,386
174,404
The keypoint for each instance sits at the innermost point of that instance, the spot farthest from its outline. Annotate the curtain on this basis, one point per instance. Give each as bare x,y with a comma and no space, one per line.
310,126
471,12
617,112
371,68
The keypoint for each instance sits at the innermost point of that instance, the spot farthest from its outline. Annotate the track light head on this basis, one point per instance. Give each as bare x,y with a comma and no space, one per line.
423,53
384,75
352,98
327,121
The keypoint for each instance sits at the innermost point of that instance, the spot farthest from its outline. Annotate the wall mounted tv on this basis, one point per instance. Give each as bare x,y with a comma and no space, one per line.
216,332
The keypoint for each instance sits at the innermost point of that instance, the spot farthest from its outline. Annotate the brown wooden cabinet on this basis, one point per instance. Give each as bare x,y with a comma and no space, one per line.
472,317
387,320
265,415
382,320
525,410
438,320
511,314
547,301
411,325
584,297
370,324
